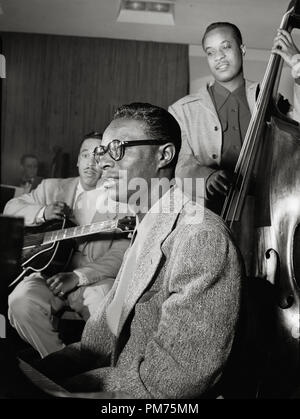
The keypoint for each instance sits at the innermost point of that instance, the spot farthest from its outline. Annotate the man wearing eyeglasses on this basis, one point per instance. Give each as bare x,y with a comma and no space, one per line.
167,327
36,302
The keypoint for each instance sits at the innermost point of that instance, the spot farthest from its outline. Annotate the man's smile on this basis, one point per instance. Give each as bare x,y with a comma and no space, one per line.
222,66
90,172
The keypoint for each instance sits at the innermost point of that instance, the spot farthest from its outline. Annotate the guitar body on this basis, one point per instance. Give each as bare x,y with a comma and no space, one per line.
50,258
48,248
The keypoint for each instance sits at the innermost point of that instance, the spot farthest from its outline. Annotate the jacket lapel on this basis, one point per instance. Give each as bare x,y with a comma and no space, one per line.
251,88
150,255
66,192
205,99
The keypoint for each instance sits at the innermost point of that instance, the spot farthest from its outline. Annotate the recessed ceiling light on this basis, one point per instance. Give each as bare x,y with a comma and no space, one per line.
159,7
135,5
147,11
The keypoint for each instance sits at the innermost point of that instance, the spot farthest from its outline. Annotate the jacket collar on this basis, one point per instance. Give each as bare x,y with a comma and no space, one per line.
251,90
162,221
204,98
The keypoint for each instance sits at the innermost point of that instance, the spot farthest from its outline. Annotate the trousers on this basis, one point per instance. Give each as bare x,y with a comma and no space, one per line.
33,310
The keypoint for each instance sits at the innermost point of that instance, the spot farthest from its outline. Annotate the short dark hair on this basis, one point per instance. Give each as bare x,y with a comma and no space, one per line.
93,134
160,124
215,25
27,156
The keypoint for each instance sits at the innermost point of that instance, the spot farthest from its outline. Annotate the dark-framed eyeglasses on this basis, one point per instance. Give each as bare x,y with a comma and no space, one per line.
116,148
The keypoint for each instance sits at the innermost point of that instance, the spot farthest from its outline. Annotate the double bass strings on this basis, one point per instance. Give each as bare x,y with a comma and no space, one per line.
245,161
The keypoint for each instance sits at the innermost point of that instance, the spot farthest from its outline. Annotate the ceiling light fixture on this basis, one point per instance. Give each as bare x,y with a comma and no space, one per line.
135,5
147,11
159,7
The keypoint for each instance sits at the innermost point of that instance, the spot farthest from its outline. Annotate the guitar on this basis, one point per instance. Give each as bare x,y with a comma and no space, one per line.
43,250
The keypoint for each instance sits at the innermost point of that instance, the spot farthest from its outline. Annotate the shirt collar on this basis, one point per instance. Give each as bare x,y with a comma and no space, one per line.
79,191
221,94
79,188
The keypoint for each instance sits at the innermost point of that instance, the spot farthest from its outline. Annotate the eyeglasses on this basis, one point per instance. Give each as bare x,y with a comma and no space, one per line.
116,148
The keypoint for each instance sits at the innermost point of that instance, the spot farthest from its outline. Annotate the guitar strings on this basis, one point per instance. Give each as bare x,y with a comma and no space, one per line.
246,157
72,232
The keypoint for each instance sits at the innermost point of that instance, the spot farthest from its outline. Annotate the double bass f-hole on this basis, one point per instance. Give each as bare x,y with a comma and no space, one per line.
271,149
272,260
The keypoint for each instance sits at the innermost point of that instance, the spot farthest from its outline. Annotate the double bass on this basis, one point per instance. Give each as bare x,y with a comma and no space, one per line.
271,150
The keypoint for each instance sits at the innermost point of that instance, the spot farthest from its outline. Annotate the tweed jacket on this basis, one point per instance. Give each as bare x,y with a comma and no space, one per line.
201,130
99,259
179,314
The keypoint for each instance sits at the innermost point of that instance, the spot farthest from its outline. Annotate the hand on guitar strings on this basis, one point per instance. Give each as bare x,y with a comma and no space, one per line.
57,210
62,283
285,47
219,182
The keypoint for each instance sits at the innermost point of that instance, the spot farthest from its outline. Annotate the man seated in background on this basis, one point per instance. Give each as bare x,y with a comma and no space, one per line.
29,180
167,327
34,303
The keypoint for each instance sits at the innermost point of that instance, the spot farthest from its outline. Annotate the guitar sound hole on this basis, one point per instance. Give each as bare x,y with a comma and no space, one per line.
296,255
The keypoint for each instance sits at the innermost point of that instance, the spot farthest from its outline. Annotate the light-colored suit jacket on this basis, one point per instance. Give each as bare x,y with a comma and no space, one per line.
100,259
179,314
201,130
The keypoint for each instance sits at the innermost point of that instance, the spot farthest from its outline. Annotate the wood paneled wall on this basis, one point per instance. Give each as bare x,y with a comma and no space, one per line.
58,88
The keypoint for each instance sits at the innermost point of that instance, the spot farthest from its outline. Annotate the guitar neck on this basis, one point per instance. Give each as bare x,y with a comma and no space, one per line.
79,231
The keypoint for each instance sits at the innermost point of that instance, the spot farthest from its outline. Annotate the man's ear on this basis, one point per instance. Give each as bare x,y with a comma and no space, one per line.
166,155
243,49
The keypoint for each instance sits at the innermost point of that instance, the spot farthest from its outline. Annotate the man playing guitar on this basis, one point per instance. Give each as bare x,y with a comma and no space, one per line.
36,301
